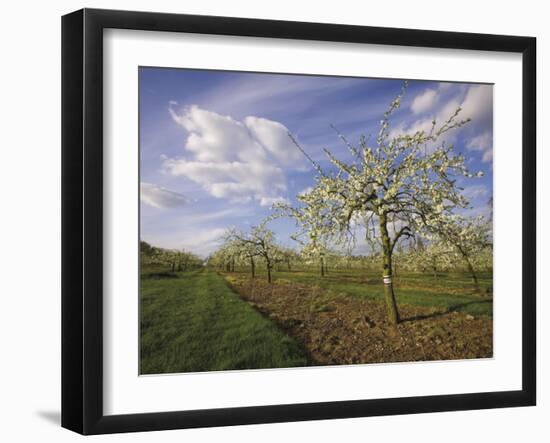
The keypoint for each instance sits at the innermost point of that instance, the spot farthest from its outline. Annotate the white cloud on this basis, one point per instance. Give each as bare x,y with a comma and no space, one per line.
425,101
478,103
217,138
160,197
425,124
240,161
484,143
238,181
274,138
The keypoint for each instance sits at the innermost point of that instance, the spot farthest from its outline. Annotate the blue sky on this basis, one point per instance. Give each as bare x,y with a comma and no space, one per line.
214,150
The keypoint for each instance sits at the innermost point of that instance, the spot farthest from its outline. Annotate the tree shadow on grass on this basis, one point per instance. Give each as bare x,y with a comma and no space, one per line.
453,308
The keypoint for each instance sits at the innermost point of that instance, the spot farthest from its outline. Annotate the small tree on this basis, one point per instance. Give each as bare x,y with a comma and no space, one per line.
224,258
318,253
259,242
468,236
248,252
405,181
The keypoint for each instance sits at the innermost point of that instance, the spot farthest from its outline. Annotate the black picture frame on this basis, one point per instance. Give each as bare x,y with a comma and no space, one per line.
82,219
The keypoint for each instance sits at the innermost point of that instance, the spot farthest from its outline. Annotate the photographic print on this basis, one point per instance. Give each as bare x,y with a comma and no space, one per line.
291,220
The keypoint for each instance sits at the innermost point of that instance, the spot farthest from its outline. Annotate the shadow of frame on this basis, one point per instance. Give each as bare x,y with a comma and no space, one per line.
54,417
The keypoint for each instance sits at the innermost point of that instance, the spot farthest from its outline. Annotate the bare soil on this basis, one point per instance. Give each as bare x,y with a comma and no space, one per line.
335,329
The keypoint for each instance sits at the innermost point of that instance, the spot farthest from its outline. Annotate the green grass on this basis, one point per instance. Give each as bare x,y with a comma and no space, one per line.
192,321
451,291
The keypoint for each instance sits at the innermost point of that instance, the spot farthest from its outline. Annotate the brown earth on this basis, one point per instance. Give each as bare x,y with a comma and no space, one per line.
340,329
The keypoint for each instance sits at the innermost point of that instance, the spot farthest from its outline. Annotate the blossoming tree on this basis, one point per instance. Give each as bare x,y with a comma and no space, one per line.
470,237
258,242
403,184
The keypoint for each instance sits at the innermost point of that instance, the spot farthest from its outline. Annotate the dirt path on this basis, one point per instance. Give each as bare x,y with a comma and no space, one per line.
339,329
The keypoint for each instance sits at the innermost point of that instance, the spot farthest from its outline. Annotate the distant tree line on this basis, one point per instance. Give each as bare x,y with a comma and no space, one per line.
170,259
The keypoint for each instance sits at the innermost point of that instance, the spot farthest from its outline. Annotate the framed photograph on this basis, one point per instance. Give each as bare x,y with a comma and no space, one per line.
269,221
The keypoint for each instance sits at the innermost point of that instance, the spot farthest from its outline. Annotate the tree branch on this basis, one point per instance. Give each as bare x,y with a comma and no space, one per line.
404,231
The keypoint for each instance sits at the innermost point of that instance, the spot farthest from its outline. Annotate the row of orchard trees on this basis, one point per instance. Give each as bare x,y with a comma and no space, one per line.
468,249
401,187
258,247
170,259
250,248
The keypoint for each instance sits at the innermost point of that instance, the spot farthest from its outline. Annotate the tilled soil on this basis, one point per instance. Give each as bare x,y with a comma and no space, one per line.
339,329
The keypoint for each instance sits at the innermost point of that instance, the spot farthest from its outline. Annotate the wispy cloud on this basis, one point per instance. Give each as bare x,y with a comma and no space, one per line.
270,93
160,197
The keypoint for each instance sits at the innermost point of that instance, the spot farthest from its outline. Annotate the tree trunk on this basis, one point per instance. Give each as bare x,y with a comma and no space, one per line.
268,273
391,304
472,271
252,267
322,267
